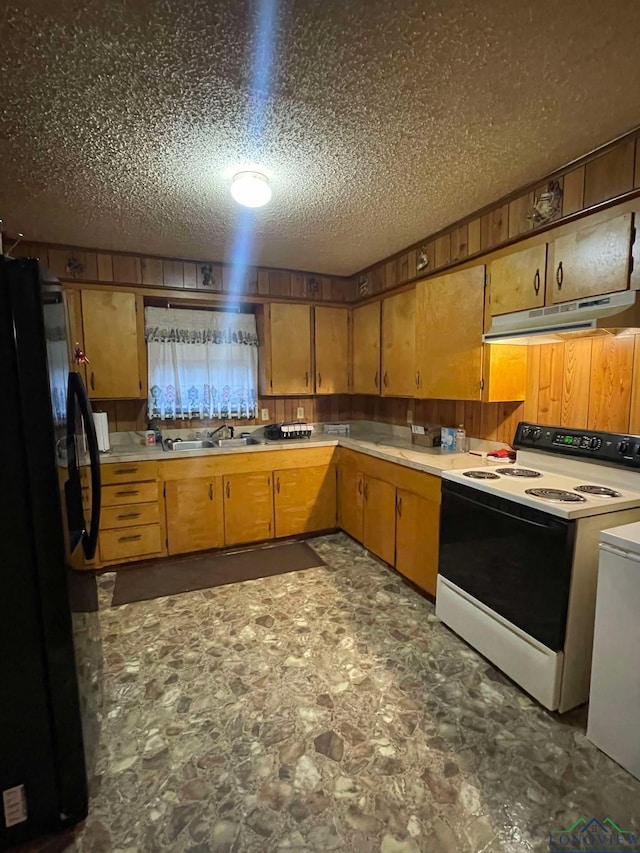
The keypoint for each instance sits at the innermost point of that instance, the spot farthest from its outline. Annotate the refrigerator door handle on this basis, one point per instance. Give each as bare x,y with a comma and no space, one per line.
77,395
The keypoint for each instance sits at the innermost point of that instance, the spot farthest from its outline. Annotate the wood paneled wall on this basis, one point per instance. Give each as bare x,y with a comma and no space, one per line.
590,383
72,263
612,172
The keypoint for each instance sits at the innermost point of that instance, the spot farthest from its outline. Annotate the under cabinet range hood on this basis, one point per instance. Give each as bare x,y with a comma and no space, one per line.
611,314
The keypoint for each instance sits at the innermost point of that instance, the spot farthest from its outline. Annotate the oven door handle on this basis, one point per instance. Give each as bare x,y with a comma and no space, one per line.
553,522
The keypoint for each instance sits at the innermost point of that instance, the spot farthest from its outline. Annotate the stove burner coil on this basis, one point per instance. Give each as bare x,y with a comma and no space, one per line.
518,472
599,491
480,475
555,495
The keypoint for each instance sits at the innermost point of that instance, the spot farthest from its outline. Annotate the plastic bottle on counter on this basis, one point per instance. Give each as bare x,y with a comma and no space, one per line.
461,439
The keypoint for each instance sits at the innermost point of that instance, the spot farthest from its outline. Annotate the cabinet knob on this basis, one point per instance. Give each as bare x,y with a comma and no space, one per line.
536,282
559,275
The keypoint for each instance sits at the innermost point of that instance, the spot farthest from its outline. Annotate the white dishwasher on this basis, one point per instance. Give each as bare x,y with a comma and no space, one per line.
614,704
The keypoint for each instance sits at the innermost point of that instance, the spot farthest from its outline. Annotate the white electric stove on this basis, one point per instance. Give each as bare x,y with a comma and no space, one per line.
519,553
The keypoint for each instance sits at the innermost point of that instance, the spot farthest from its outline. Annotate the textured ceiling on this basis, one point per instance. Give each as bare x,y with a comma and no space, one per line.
381,121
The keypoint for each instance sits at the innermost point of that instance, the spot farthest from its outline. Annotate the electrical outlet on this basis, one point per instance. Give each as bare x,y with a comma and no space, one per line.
300,413
409,416
264,414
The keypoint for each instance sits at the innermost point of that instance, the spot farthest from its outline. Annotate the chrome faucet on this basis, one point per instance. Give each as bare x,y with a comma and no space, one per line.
230,431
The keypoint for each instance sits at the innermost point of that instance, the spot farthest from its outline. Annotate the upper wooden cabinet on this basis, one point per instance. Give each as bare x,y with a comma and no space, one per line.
590,261
285,349
449,323
332,350
398,345
114,343
518,280
366,349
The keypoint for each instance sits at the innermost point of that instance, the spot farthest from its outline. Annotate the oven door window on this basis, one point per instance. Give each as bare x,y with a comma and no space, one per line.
513,559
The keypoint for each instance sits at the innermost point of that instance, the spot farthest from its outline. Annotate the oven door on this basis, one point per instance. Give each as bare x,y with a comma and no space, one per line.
510,558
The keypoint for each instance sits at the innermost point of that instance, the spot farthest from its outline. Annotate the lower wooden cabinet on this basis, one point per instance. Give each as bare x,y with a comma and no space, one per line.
195,519
351,500
304,500
417,534
379,518
394,512
248,507
131,518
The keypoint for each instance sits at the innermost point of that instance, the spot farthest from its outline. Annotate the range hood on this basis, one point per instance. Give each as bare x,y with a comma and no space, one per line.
611,314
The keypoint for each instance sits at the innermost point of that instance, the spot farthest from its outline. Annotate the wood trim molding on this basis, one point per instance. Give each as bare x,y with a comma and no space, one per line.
601,179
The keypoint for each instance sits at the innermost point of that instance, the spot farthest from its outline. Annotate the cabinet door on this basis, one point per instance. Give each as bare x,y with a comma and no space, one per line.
366,349
591,261
305,500
248,508
350,500
289,349
111,343
449,322
518,280
417,531
332,350
194,514
380,518
398,345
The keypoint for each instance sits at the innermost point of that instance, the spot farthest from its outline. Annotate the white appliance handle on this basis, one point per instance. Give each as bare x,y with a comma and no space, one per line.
620,552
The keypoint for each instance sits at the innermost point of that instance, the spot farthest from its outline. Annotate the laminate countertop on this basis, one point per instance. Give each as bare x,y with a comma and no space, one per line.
391,449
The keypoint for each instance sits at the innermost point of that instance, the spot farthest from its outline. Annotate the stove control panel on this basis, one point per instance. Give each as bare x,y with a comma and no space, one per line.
608,447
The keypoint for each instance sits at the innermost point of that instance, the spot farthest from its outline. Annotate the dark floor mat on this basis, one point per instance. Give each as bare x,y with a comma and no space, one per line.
201,571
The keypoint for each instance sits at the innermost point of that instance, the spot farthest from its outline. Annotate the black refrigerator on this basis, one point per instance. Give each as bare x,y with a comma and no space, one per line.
50,506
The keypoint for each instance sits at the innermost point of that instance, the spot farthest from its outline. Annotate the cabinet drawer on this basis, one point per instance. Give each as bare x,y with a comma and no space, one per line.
122,544
129,516
127,472
129,493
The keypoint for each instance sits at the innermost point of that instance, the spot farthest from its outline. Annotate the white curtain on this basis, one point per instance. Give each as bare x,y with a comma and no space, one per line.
202,364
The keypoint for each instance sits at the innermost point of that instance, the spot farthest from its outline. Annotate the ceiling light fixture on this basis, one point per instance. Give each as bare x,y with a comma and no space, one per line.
251,189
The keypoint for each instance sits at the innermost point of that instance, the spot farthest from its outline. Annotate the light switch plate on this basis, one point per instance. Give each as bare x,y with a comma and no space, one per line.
409,416
300,413
264,414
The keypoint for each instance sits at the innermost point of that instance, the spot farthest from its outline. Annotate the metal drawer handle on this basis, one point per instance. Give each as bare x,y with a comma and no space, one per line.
536,282
559,275
417,378
129,515
93,381
385,379
210,491
375,380
133,538
129,492
399,506
366,492
278,485
126,470
306,379
319,380
360,487
228,489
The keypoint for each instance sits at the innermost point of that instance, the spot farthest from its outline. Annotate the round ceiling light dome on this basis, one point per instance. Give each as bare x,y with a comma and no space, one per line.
251,189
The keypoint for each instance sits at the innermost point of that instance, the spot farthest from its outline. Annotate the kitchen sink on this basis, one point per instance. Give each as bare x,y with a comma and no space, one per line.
197,444
236,442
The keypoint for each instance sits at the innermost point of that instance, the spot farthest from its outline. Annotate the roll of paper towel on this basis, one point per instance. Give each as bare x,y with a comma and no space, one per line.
102,431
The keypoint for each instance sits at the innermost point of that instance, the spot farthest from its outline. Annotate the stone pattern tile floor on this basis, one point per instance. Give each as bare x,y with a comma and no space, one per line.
323,710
